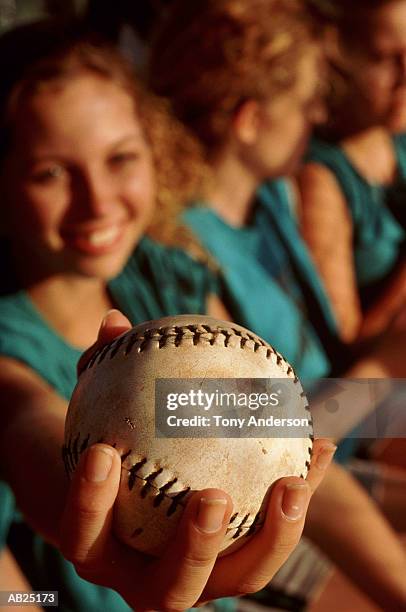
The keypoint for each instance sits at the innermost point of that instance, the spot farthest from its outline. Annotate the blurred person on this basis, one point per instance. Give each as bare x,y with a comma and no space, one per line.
87,167
352,188
246,78
254,130
353,185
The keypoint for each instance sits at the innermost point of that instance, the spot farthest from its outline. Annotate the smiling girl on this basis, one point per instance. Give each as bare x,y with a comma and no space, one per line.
86,169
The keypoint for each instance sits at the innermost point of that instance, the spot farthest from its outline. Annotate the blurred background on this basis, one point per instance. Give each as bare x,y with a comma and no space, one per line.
311,582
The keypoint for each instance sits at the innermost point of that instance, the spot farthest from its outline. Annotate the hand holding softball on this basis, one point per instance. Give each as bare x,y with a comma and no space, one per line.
189,571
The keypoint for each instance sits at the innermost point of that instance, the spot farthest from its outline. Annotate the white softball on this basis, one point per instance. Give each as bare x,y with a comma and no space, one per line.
114,403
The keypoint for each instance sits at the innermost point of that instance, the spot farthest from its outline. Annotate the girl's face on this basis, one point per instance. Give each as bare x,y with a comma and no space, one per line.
376,68
78,181
284,123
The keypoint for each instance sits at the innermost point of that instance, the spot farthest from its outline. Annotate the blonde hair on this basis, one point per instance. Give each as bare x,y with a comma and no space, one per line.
38,54
210,56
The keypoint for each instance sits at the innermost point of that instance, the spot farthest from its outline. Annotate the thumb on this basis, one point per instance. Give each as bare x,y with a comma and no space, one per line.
87,518
114,324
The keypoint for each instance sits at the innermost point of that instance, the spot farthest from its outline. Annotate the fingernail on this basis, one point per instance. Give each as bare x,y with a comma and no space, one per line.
106,316
98,464
294,501
210,515
323,460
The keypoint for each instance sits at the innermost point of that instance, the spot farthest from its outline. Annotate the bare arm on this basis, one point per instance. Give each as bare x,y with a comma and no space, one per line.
12,579
32,420
386,307
327,228
348,527
31,426
385,360
342,516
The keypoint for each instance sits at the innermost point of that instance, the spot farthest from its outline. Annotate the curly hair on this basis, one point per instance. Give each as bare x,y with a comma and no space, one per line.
209,56
36,55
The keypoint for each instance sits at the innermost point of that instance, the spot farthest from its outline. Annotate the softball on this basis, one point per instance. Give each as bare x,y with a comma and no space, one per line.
114,402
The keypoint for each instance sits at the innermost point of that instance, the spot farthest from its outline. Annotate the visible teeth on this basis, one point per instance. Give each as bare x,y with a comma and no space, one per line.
103,237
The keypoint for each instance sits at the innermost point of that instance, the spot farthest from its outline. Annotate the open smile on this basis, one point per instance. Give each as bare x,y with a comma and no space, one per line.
95,242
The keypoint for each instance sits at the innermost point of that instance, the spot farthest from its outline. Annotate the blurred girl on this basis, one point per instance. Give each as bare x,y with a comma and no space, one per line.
86,168
353,185
246,77
251,92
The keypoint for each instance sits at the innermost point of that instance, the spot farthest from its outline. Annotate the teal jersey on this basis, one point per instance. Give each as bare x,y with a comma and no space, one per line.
269,277
272,286
379,237
156,282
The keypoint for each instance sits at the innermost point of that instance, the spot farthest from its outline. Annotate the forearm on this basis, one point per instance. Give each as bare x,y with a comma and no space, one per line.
12,579
32,465
348,527
327,228
355,402
380,364
385,308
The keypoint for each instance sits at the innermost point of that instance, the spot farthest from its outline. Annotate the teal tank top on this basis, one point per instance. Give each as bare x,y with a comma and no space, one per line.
379,237
272,286
156,282
268,276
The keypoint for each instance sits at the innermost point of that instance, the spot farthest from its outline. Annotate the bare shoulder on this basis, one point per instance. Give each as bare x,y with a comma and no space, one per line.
321,200
314,174
316,182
